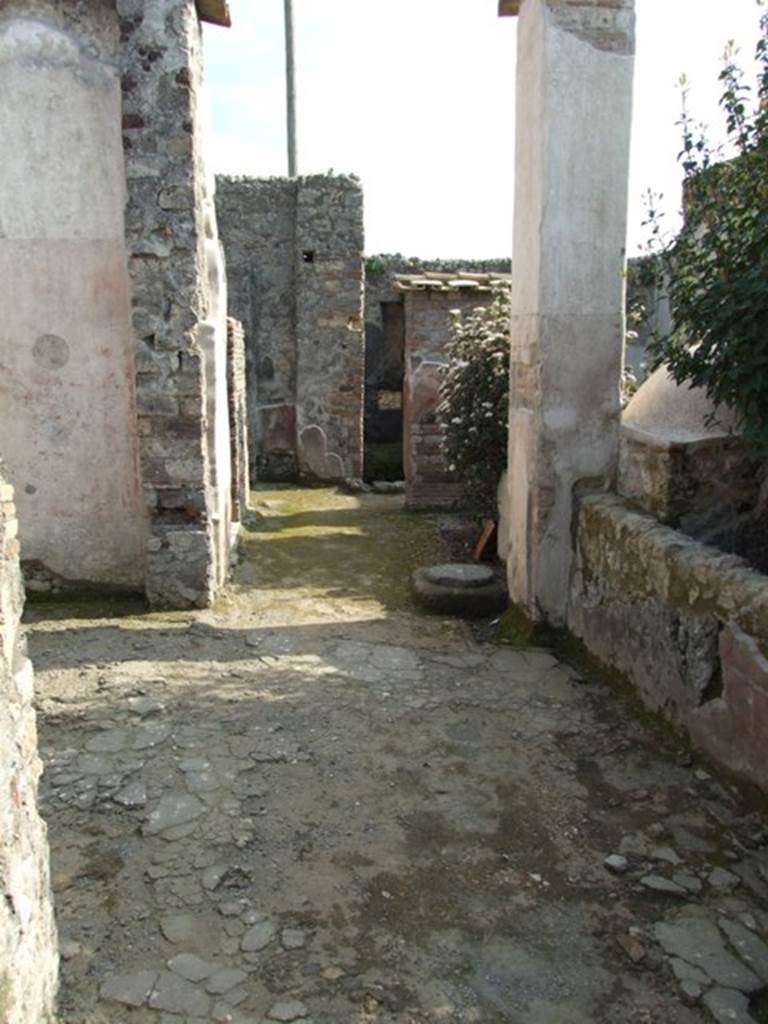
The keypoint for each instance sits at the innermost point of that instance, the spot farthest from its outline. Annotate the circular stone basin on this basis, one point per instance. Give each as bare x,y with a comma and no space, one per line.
460,575
472,591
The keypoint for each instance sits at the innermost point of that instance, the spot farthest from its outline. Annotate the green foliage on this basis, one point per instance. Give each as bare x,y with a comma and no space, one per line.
716,270
374,265
475,400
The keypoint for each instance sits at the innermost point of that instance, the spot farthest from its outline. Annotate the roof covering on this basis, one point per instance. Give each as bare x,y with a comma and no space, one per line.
433,281
215,11
507,7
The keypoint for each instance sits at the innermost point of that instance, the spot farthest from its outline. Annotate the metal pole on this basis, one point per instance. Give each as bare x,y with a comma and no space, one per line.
290,88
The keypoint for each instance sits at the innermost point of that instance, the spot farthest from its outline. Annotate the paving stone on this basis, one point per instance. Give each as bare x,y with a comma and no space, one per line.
143,706
663,886
212,876
191,967
723,880
293,938
693,981
151,736
749,946
728,1006
94,764
173,810
288,1011
224,980
233,908
236,996
132,796
258,937
202,782
690,883
665,853
179,928
177,995
129,989
252,916
699,942
108,742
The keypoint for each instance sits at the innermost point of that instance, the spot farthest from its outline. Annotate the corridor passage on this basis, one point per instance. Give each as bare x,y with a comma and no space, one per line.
315,803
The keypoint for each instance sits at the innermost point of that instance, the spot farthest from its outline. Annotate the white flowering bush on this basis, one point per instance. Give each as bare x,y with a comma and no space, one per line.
475,400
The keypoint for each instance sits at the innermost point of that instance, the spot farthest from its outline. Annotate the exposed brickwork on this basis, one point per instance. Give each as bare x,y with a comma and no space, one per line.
238,422
294,271
28,956
165,229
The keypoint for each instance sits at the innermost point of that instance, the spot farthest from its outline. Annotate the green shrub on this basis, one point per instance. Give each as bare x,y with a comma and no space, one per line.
717,267
475,400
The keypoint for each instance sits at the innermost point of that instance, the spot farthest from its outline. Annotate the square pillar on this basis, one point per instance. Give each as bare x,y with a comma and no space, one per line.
573,110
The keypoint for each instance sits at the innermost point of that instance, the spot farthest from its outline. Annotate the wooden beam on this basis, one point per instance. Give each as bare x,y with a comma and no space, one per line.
509,7
214,11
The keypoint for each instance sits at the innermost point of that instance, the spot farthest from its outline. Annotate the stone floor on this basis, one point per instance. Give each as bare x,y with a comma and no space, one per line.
313,803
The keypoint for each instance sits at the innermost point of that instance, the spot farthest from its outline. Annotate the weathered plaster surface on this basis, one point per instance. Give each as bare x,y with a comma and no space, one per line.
28,953
67,406
687,624
572,151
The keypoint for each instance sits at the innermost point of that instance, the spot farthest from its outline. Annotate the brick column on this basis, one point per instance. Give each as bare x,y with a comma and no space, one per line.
574,98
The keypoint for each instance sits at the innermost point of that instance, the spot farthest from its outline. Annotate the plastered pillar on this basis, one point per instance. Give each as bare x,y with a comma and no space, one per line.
573,111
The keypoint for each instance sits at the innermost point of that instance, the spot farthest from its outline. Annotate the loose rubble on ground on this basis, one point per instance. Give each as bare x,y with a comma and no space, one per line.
316,803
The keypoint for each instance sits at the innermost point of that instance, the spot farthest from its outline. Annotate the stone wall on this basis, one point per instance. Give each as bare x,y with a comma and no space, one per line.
67,395
178,314
685,623
294,265
28,956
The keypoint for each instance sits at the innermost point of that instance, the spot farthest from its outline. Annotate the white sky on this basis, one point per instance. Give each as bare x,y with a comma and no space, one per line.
416,97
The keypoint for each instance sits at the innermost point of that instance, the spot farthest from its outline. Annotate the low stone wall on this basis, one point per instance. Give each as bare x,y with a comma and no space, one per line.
685,623
28,955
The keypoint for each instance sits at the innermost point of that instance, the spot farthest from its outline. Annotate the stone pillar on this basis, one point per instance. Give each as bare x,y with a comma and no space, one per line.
28,954
574,96
174,299
330,347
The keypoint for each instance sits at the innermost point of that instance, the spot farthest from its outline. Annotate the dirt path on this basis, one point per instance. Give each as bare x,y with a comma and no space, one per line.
313,803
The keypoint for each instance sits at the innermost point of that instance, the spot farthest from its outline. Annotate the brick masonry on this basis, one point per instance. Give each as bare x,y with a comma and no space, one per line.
28,950
295,279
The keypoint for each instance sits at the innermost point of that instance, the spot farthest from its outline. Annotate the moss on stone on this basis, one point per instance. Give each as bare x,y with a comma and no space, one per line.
516,629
